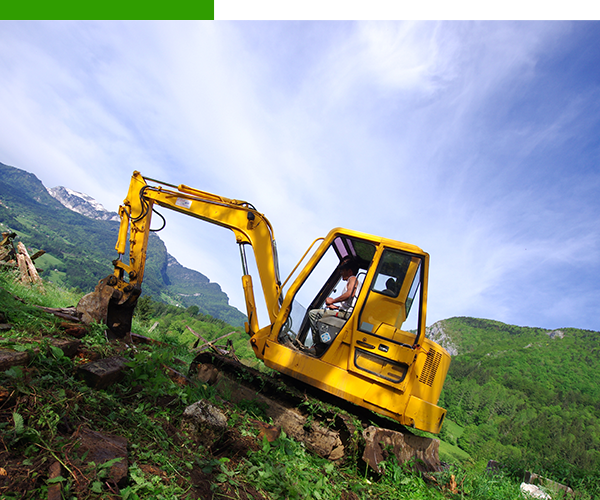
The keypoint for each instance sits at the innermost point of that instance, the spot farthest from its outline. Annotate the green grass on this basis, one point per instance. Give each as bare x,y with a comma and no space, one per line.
45,294
452,454
453,428
49,264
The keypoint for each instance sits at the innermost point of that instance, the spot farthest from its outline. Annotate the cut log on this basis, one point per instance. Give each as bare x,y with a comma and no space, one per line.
406,447
38,254
100,447
23,269
321,440
30,267
9,358
330,434
104,372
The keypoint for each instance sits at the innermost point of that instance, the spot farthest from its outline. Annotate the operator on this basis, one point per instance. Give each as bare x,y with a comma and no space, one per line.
349,269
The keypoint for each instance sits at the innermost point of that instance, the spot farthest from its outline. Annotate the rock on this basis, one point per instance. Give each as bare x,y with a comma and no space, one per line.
436,333
101,448
94,305
493,468
204,422
272,432
556,334
552,486
54,489
104,372
82,203
9,358
533,491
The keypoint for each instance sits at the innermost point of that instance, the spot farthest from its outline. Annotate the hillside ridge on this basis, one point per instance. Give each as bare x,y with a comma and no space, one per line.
28,208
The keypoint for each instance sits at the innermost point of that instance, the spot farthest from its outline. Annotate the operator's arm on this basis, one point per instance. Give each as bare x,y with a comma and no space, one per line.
350,289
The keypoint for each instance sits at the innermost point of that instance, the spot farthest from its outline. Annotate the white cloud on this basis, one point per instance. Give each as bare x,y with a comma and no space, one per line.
452,136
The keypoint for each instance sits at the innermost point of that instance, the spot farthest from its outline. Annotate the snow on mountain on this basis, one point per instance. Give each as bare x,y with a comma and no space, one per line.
82,203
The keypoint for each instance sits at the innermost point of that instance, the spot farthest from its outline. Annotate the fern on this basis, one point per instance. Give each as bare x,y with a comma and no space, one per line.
19,424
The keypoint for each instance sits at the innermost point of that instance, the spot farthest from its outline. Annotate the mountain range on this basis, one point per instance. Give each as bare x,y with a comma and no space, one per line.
79,234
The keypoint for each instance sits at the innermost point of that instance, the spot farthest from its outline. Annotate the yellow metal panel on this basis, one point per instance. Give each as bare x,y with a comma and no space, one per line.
337,381
431,366
250,304
383,397
424,415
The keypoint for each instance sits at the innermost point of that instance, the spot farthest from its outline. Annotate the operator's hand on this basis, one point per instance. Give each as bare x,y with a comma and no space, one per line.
329,303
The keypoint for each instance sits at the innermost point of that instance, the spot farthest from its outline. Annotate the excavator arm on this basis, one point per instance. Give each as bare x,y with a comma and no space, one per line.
115,297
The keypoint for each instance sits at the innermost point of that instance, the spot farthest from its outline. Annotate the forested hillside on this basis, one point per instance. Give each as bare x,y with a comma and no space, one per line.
79,250
527,397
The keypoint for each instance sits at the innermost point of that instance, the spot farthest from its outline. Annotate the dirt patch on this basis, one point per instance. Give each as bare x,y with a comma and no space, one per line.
233,445
206,488
20,479
202,484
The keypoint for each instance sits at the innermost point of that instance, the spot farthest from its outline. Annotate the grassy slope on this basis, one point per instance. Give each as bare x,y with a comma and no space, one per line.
46,402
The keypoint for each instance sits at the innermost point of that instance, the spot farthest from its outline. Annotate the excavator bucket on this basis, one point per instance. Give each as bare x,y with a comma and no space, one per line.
112,303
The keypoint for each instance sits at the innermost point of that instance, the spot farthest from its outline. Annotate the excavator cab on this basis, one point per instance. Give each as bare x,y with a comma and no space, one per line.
391,296
376,356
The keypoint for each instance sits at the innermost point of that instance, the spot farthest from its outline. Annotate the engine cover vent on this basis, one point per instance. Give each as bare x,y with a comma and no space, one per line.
431,365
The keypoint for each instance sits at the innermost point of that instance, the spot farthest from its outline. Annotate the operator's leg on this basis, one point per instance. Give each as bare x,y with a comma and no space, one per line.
315,315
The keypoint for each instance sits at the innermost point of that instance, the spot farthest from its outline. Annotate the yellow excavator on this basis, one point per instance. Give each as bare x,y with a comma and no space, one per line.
374,353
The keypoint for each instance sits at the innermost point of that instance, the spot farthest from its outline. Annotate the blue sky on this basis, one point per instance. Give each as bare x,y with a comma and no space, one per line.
477,141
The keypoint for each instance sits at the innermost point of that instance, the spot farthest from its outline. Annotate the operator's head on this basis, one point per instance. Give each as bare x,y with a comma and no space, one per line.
350,265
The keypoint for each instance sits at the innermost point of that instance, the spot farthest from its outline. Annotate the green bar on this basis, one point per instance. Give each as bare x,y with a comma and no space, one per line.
109,10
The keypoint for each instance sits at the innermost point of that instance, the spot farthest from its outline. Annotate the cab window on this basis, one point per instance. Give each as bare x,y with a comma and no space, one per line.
394,289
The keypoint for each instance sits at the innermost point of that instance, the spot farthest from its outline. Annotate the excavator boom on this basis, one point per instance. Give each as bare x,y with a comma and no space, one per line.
115,297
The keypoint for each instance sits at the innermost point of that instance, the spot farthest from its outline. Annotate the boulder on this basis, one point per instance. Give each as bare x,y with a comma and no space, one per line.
204,422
